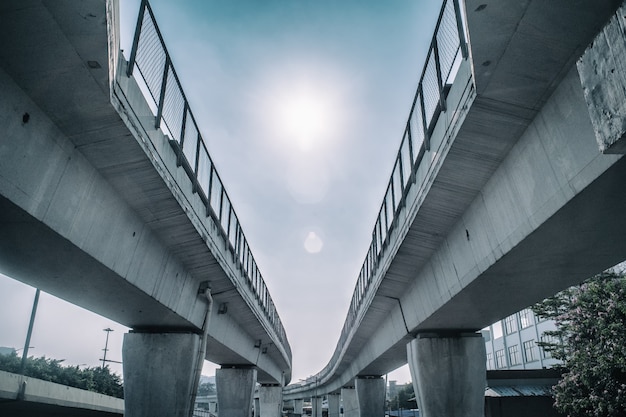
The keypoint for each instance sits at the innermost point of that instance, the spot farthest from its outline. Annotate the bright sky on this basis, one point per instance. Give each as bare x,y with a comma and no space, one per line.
302,104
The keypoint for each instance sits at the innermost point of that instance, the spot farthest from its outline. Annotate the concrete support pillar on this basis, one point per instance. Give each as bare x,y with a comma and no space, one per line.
448,374
297,407
370,392
350,402
235,391
159,373
257,407
334,404
316,406
270,401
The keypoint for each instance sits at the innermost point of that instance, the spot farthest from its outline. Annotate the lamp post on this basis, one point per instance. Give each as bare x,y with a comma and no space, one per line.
30,332
106,345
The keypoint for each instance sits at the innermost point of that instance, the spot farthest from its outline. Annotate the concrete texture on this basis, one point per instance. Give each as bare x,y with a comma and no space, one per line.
235,391
334,404
47,399
350,402
270,400
370,394
602,71
158,373
449,374
316,406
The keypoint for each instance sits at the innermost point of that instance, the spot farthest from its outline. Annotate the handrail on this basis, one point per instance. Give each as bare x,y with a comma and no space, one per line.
447,48
174,116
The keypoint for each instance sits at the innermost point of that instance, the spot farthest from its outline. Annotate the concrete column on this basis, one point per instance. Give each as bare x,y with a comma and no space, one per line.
297,407
448,374
334,403
270,401
316,406
350,402
159,373
257,407
235,391
370,394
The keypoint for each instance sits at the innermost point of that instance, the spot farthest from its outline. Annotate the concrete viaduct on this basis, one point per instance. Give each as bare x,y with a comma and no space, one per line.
507,188
97,208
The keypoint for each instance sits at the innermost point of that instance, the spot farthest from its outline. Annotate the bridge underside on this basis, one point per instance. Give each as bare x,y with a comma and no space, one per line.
94,212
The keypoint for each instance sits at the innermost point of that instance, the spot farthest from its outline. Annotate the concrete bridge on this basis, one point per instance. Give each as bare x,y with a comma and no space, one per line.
508,187
100,208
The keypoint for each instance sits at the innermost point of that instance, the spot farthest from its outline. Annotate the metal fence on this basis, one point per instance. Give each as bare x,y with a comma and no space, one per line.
173,115
448,47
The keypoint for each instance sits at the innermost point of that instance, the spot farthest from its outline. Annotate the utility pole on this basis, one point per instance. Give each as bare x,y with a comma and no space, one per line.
30,332
106,346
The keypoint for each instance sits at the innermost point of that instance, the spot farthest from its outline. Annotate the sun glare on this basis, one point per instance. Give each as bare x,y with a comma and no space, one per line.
305,119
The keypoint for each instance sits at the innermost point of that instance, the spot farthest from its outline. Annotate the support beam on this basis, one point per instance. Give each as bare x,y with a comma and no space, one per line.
270,401
350,402
448,374
152,363
334,404
370,393
297,407
235,391
316,406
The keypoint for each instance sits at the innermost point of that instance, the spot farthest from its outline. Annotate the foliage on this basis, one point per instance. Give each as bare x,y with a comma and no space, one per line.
590,340
401,400
206,388
96,379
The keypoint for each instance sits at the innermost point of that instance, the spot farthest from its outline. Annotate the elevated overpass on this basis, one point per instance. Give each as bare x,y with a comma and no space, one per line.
103,206
507,187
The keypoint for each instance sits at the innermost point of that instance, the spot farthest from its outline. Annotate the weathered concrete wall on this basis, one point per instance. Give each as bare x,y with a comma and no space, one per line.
602,71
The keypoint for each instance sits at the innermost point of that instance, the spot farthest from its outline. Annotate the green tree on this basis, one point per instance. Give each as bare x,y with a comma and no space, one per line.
591,341
96,379
206,388
404,398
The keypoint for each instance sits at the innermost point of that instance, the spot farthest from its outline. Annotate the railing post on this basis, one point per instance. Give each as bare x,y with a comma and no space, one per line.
420,92
459,26
133,50
157,121
440,81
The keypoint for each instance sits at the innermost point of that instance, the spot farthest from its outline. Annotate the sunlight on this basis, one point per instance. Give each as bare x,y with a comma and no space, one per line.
305,118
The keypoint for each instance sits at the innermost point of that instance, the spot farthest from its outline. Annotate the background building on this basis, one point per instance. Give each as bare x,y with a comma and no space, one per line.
511,343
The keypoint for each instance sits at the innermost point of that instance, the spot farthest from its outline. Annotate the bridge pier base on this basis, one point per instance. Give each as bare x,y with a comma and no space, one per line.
449,374
316,406
334,404
159,373
297,407
350,402
270,401
370,393
235,391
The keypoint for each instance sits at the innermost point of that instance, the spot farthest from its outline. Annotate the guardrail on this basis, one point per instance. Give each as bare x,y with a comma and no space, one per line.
175,118
447,48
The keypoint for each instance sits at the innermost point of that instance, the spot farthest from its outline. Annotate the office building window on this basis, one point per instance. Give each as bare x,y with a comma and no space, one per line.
526,318
514,355
530,351
510,324
490,361
545,350
500,360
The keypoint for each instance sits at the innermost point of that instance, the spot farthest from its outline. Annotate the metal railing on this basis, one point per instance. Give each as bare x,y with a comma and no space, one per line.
175,118
447,48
